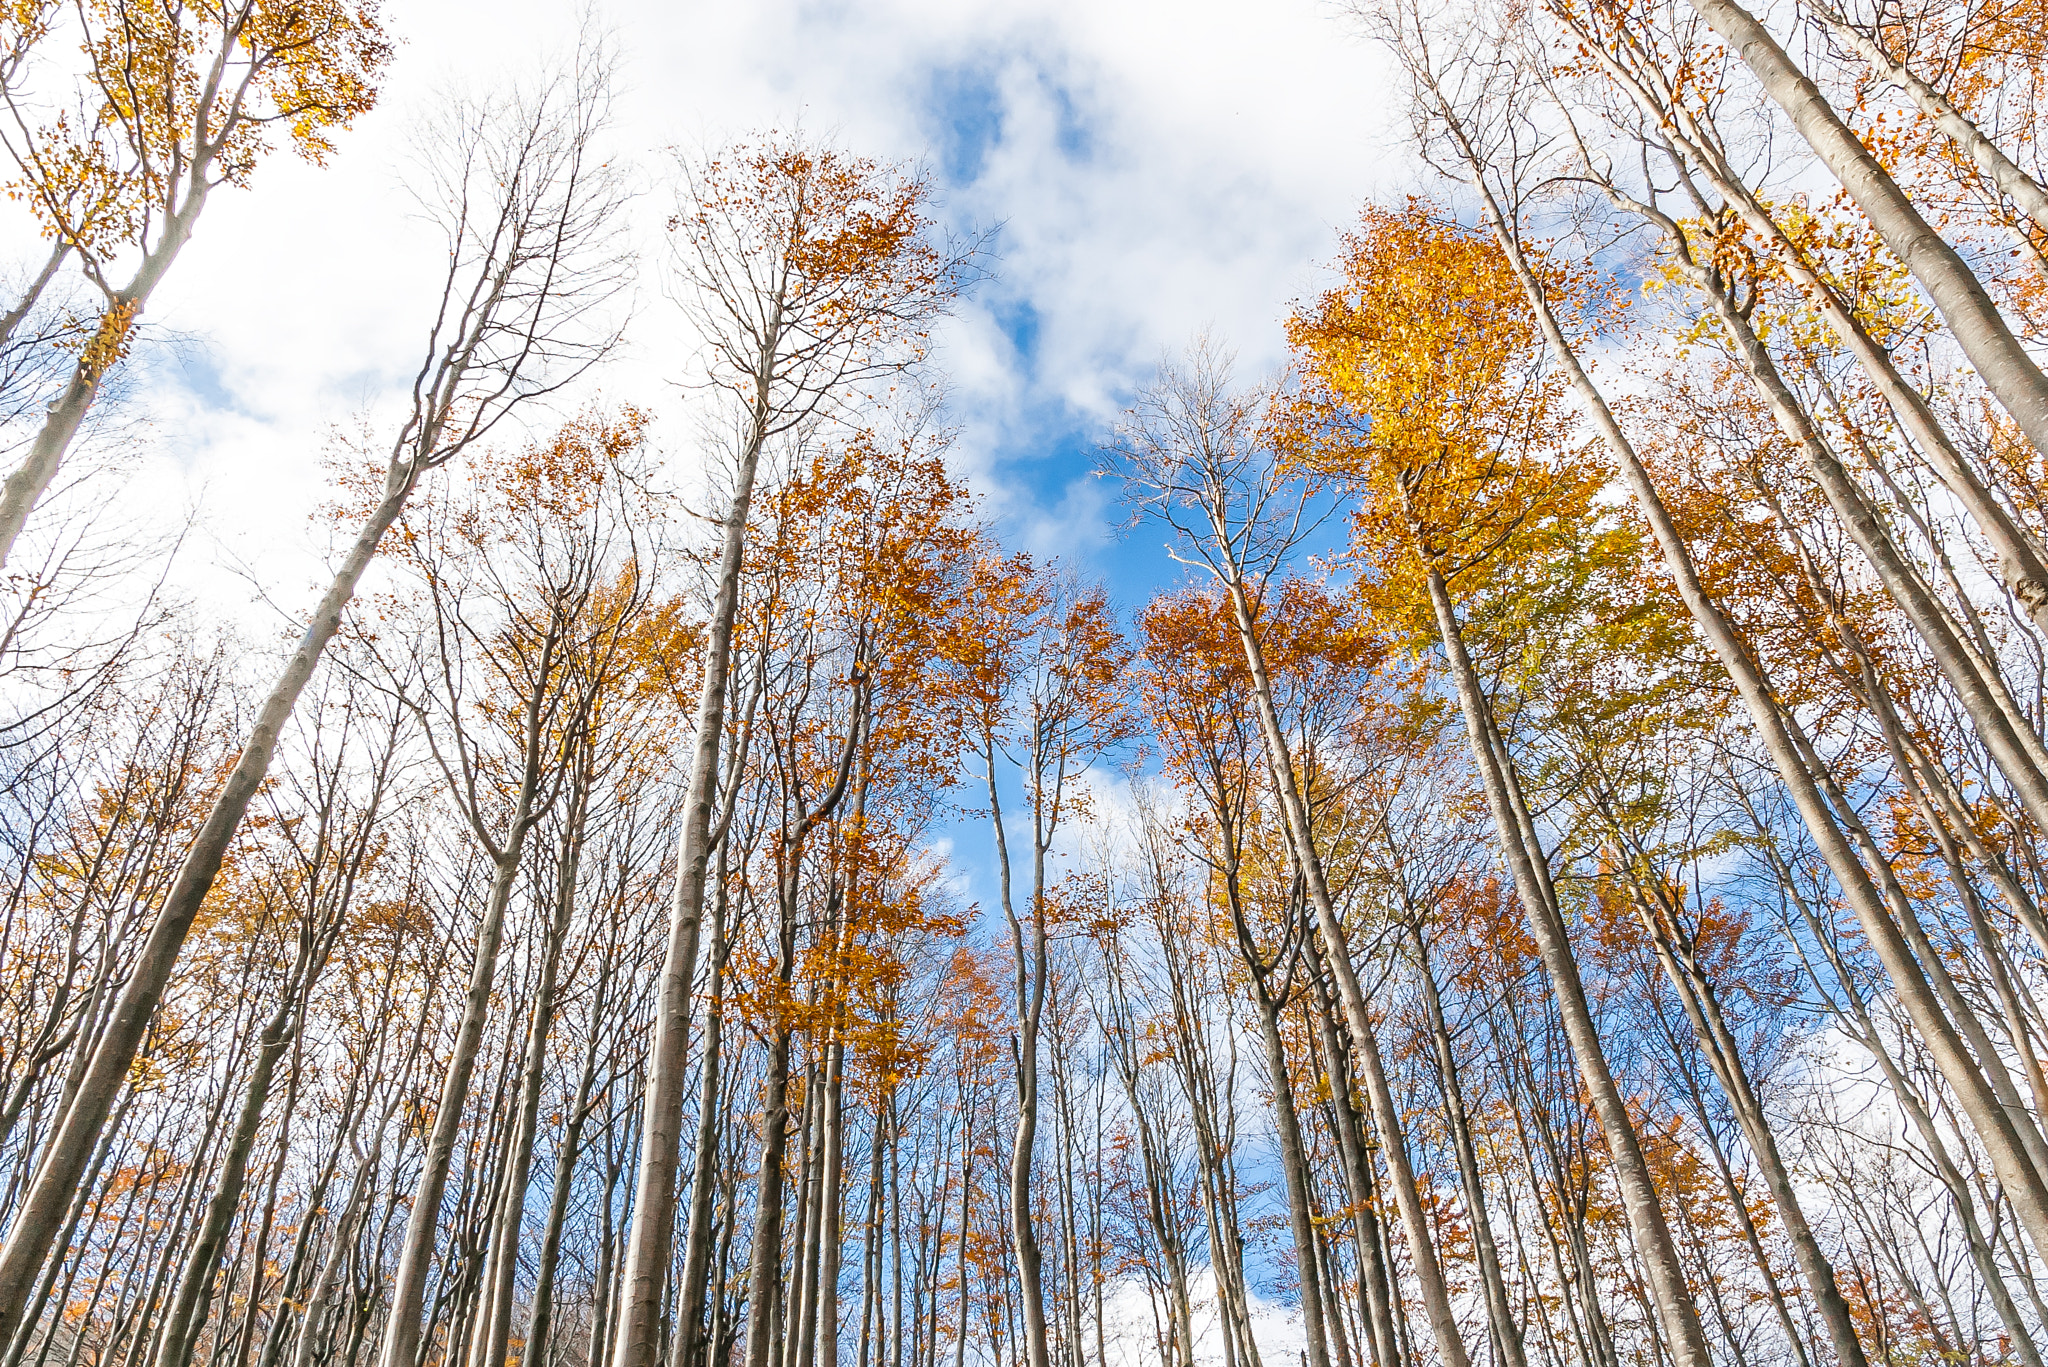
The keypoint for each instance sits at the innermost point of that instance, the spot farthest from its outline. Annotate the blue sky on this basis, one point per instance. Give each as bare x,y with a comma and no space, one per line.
1155,170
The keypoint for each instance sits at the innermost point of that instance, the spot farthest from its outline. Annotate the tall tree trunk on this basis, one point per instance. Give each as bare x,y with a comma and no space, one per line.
800,1291
1654,1245
764,1267
651,1237
180,1333
1507,1334
2008,1156
697,1243
32,478
341,1238
2020,557
540,1326
1294,1171
408,1288
2023,189
1029,948
1301,846
492,1345
966,1208
1375,1284
830,1214
1999,358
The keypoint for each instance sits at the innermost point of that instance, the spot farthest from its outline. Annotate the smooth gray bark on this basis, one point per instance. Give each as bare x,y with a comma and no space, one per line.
403,1324
2001,170
1364,1040
1506,1333
1972,318
651,1236
2008,1156
492,1345
1686,1339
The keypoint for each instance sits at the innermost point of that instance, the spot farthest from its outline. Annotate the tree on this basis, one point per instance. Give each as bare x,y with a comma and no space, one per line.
1430,358
1198,457
809,274
531,260
532,588
173,101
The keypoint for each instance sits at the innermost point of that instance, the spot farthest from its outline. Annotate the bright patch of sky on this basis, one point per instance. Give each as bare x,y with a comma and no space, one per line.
1155,170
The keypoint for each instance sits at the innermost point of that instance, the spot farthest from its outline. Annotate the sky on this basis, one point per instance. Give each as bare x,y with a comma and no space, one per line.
1152,171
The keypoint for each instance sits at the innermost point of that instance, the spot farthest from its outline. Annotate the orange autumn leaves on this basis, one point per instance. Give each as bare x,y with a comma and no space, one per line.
1419,391
1419,379
169,91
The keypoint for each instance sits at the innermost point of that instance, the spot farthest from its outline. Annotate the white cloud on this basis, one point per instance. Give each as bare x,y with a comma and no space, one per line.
1157,168
1130,1340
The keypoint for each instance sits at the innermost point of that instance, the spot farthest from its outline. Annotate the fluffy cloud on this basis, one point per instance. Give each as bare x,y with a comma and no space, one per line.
1154,170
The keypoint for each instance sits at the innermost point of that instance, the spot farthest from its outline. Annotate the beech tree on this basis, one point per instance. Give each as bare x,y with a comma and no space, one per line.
529,260
171,102
1551,871
810,274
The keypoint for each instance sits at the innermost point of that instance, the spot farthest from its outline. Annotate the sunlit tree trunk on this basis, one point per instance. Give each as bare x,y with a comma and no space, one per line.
491,1345
1653,1241
2008,1156
1364,1039
448,414
651,1234
1507,1334
2003,363
1375,1282
697,1248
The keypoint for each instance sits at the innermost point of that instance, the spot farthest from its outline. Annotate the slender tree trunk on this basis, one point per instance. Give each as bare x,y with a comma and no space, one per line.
895,1357
409,1285
31,479
15,316
697,1247
764,1267
1300,839
874,1328
2002,1144
194,1283
1507,1334
651,1237
541,1322
1030,951
2021,188
1857,1017
830,1213
1023,1233
1654,1245
340,1241
800,1292
1375,1285
1294,1170
1999,358
966,1210
1070,1241
493,1343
